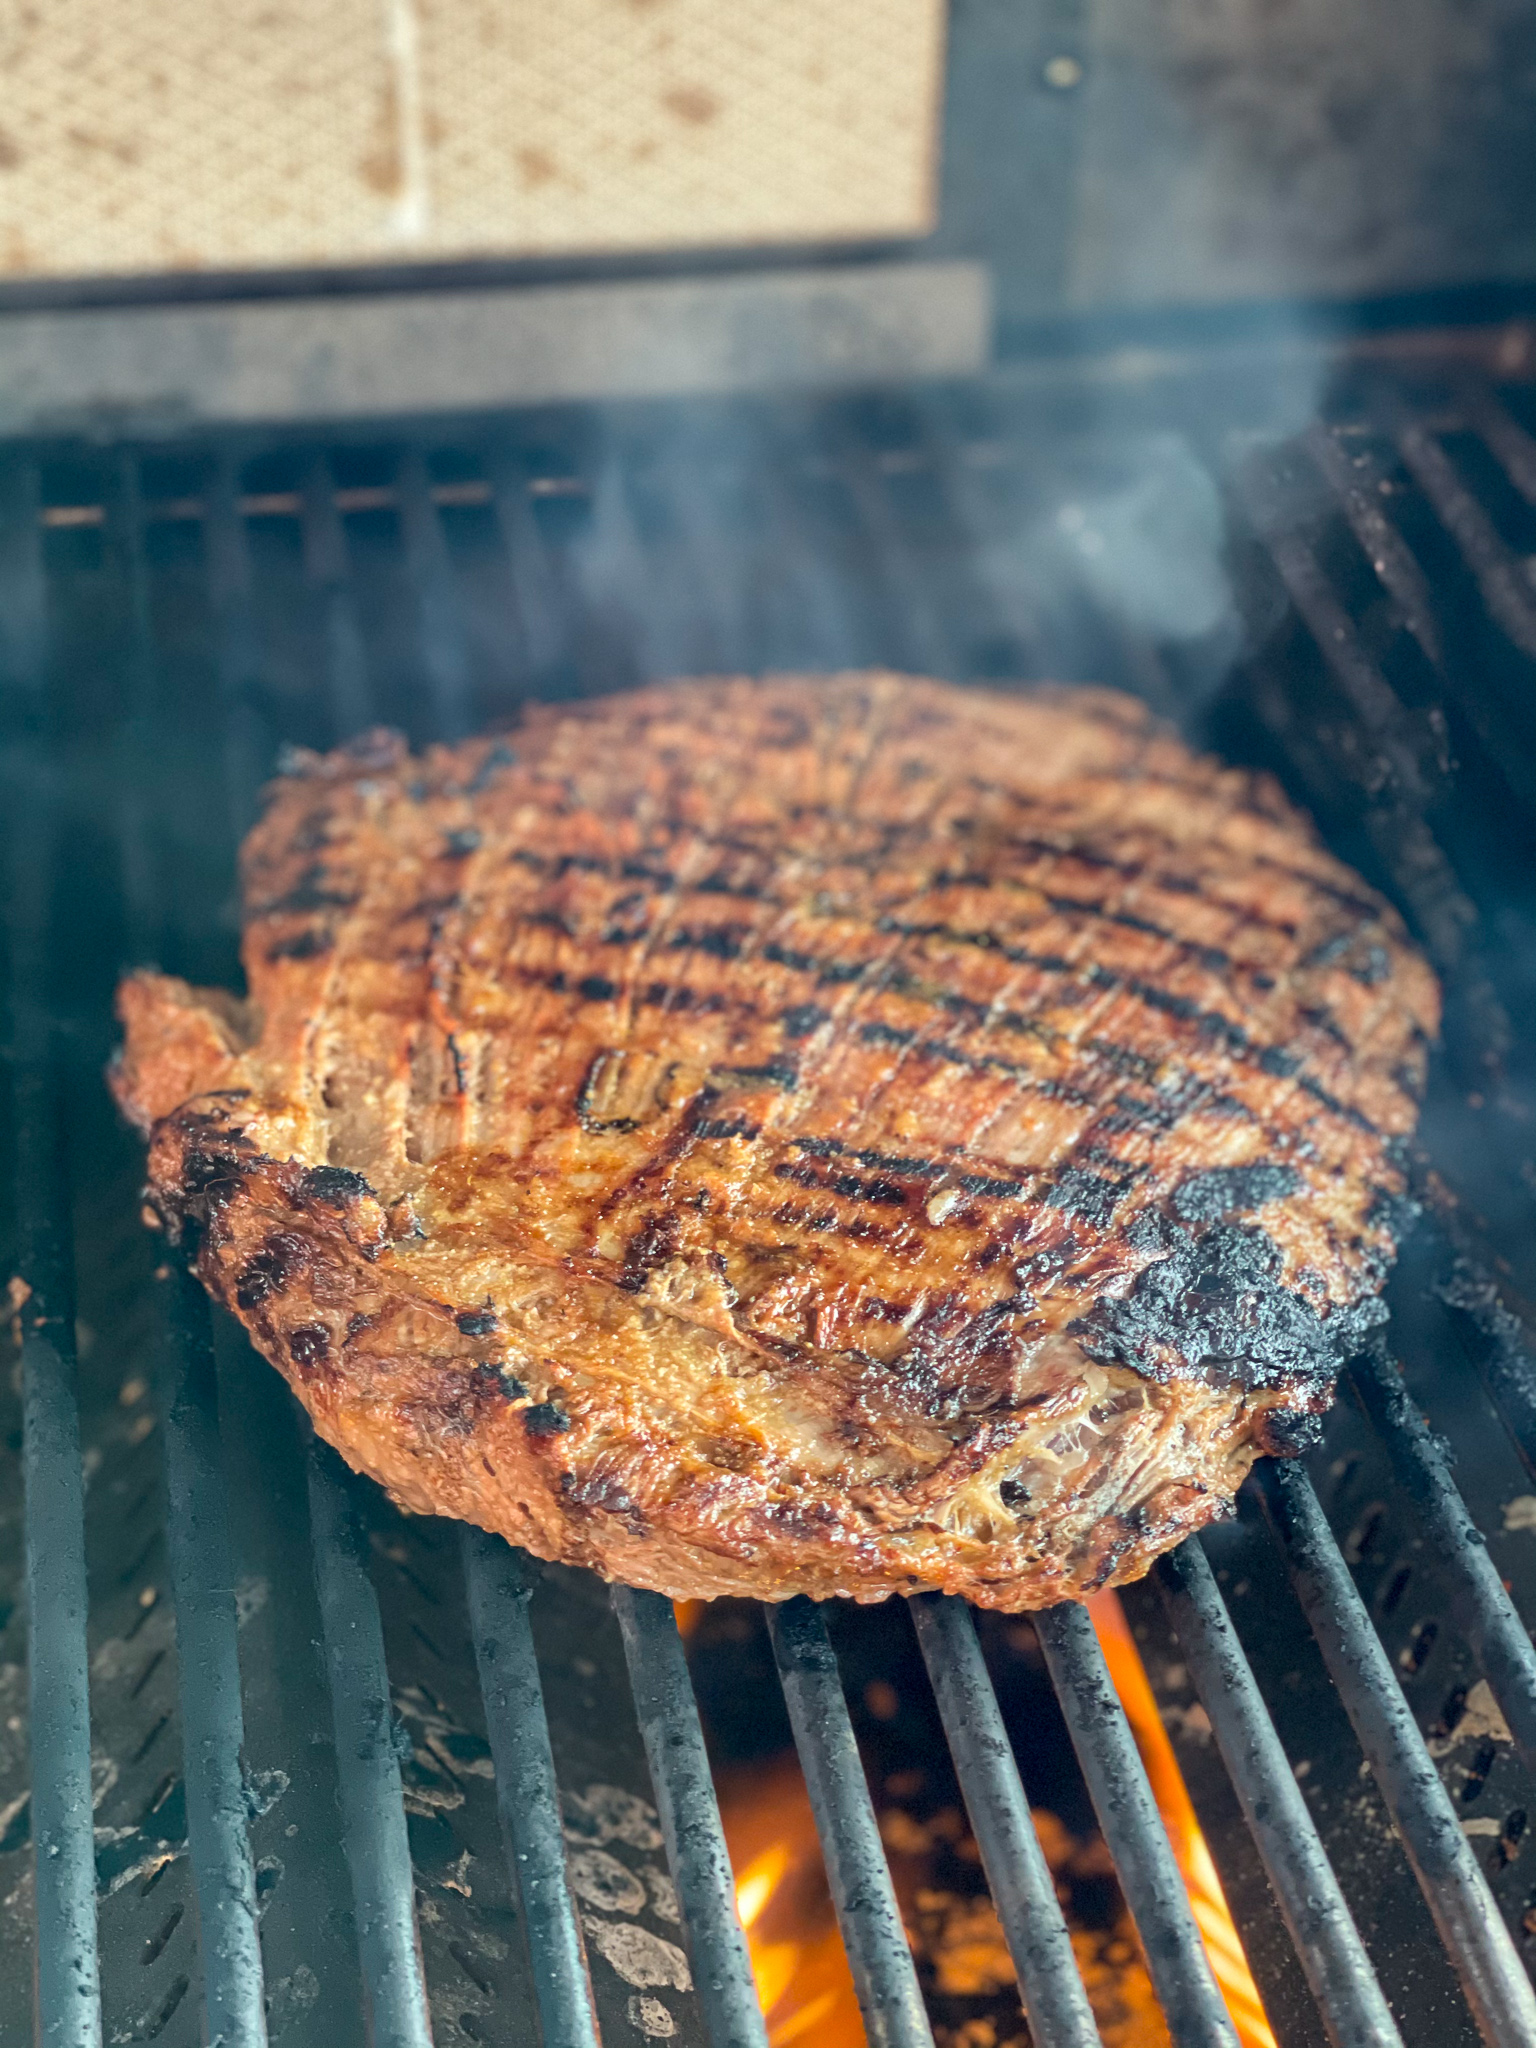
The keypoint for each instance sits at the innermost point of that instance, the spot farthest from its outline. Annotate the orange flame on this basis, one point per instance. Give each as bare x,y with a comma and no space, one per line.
798,1962
1224,1951
803,1981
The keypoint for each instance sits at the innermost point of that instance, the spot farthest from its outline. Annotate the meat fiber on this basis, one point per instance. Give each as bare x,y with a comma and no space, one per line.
831,1135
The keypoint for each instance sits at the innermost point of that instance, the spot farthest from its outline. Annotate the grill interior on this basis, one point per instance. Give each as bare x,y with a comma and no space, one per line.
255,1690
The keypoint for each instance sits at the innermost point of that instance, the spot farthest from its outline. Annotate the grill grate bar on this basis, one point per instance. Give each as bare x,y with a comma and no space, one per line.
527,1796
1337,1968
860,1878
1496,1343
24,615
1133,1829
534,589
1485,1612
1370,696
690,1818
67,1976
1512,447
1357,478
237,643
1492,1976
441,624
367,1765
326,572
1020,1881
208,1663
1498,573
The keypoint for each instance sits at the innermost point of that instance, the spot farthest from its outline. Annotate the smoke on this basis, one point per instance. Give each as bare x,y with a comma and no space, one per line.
1150,551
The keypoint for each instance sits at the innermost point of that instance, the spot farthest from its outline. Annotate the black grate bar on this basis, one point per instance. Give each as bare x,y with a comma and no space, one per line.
1483,1610
1498,572
202,1583
445,657
326,570
1394,814
690,1818
1356,478
1495,1983
1513,448
1492,1337
367,1765
1332,1954
536,598
1369,695
238,656
1133,1830
24,612
862,1892
68,1988
1023,1890
526,1793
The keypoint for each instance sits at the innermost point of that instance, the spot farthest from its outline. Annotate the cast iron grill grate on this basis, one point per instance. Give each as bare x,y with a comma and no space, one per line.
171,615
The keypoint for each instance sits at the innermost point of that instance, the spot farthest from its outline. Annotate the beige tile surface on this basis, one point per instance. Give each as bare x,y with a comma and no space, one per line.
237,134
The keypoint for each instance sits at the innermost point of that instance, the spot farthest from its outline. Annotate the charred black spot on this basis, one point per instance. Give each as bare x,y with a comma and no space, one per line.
1394,1213
1088,1195
891,1192
489,1382
777,1074
1232,1191
805,1518
460,844
309,1346
1288,1432
476,1322
652,1245
336,1186
596,988
544,1418
1218,1304
302,946
607,1495
727,1127
887,1034
309,892
721,942
284,1255
954,1358
1013,1494
211,1174
801,1019
990,1184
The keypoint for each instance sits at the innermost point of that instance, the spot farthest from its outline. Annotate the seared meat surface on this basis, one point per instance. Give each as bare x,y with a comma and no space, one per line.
831,1135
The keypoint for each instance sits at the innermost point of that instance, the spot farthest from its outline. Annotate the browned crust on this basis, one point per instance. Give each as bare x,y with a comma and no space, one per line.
742,1146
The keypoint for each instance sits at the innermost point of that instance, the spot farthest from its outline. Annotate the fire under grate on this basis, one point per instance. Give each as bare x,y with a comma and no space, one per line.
272,1752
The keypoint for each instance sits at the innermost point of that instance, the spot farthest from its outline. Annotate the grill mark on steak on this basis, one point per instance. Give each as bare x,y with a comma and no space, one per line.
824,1146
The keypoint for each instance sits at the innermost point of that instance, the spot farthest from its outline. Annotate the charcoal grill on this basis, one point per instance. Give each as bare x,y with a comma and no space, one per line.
276,1816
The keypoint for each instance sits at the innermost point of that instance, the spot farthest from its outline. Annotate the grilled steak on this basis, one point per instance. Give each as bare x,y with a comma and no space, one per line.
842,1135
